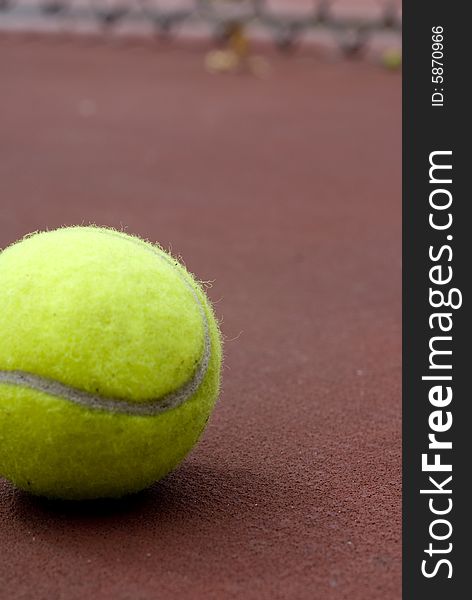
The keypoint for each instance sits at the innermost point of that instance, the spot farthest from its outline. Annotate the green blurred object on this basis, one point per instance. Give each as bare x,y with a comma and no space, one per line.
392,59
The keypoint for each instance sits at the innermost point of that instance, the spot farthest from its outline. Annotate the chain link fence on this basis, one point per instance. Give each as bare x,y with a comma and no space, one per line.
349,25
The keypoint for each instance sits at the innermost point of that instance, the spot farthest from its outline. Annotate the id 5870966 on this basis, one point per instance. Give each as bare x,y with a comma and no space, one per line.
437,65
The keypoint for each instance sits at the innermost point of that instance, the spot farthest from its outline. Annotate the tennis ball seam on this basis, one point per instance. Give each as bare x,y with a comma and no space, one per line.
118,405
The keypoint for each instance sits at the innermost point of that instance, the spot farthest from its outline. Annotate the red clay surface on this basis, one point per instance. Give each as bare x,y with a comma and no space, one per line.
286,193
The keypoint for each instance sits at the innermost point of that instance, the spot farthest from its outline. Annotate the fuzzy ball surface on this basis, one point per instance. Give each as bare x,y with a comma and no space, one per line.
110,361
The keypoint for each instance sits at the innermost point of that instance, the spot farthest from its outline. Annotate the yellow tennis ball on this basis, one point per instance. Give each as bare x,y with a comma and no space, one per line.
392,59
110,362
221,61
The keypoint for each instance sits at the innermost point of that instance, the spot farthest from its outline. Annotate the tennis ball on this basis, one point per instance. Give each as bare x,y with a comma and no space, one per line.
221,61
392,59
110,362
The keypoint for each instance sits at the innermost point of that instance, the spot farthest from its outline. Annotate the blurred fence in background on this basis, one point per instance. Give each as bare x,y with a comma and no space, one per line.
349,25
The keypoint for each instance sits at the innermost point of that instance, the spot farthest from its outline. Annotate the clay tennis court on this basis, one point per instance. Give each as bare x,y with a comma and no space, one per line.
285,193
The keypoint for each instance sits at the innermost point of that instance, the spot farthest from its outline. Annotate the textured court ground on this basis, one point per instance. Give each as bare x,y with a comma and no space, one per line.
286,193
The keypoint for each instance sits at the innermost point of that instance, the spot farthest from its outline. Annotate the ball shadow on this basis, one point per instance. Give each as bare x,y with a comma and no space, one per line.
200,514
192,489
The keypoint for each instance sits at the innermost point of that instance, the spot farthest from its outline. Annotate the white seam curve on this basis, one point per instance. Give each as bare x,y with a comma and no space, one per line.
117,405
